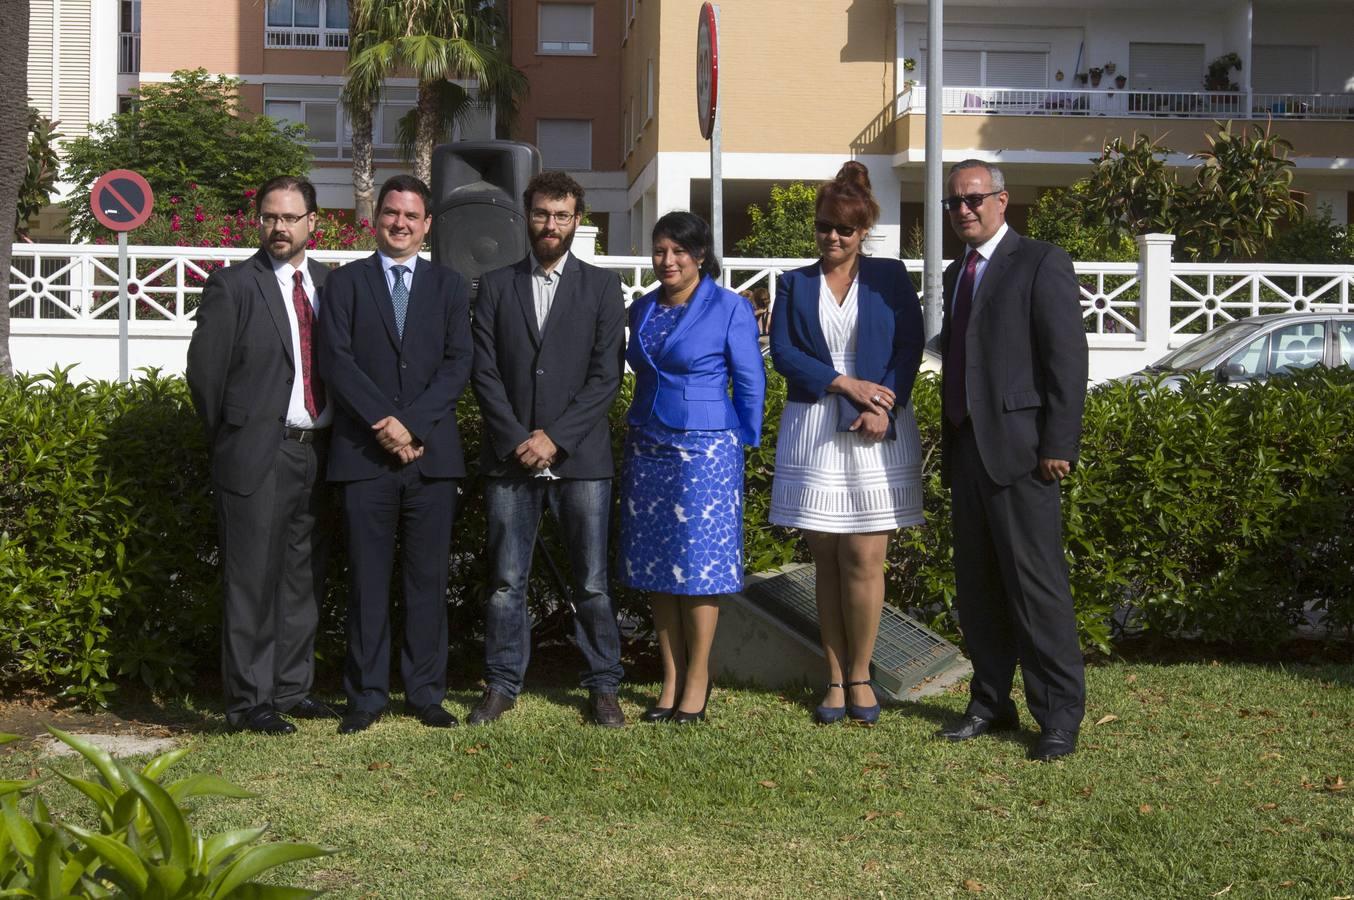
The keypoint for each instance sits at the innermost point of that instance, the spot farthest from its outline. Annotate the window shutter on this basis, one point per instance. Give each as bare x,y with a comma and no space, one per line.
1279,69
1006,69
566,27
565,143
1166,67
73,68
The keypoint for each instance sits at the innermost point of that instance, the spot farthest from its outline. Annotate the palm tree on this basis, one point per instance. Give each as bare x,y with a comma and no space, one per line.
13,144
359,100
441,42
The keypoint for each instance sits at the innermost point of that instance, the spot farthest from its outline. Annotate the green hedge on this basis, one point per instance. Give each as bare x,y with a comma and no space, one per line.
1215,512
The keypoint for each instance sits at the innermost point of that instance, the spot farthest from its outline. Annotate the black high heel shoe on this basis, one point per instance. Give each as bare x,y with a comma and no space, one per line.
657,714
691,718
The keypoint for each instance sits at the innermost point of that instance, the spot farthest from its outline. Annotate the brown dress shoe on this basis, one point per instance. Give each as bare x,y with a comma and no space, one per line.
605,710
492,705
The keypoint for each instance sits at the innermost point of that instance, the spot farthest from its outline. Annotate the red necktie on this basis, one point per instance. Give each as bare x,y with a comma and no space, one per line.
305,327
956,362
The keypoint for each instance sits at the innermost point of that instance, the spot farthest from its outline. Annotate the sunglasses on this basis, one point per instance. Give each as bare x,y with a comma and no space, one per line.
972,201
842,230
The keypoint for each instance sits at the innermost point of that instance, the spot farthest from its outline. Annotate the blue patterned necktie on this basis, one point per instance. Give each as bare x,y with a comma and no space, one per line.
400,297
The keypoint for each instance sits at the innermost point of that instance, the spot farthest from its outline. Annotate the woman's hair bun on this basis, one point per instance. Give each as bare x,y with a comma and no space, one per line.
854,173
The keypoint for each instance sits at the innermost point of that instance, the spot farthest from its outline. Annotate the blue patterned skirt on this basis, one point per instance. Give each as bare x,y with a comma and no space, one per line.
682,511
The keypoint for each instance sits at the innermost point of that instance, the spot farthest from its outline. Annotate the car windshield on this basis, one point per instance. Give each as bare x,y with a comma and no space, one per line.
1192,355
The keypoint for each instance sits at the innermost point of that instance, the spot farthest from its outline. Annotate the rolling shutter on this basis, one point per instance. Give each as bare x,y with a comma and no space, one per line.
1166,67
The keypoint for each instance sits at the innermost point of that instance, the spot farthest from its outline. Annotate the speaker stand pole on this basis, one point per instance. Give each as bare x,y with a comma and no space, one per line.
716,170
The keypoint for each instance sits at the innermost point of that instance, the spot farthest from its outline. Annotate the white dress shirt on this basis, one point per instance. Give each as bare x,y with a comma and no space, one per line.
297,414
544,287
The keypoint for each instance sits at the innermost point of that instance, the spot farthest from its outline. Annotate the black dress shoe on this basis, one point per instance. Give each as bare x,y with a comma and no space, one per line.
972,726
492,705
310,708
432,715
605,710
355,720
1053,743
657,714
265,720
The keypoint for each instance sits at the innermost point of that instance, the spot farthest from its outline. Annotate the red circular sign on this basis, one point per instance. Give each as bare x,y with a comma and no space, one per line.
707,69
121,200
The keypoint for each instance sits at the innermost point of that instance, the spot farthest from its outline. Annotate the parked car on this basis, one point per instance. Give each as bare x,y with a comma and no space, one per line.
1252,349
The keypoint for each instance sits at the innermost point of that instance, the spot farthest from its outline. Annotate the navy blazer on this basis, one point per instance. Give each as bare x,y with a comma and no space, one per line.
371,373
889,331
687,386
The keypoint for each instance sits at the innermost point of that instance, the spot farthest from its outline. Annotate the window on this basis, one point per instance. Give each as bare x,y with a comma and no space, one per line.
565,28
993,68
129,37
1297,346
565,143
1283,70
328,131
307,24
1344,334
1166,67
649,96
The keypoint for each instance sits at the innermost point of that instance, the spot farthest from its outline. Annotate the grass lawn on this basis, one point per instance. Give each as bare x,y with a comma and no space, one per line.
1193,780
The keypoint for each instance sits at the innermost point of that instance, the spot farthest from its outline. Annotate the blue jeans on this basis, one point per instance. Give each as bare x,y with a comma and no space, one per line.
513,507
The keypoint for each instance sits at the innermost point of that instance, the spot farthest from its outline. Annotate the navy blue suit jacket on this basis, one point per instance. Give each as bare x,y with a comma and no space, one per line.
687,385
889,331
371,373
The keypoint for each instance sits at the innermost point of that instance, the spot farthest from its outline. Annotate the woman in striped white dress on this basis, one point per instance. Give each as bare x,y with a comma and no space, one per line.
847,335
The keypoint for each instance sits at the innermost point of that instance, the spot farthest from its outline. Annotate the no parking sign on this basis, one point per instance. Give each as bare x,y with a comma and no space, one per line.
121,200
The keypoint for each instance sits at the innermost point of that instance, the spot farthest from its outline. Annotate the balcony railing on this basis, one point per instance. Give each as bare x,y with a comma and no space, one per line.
129,53
305,39
978,101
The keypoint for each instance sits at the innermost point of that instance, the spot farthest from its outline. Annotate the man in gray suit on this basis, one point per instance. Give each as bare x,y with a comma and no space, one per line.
253,377
1014,385
549,342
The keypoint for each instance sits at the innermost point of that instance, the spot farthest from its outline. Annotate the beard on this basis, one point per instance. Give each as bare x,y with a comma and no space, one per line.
548,253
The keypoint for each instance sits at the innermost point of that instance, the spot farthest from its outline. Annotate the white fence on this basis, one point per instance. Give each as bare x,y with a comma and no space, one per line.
63,300
958,100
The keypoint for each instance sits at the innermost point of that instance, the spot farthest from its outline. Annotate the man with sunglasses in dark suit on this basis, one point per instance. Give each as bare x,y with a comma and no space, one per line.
1014,386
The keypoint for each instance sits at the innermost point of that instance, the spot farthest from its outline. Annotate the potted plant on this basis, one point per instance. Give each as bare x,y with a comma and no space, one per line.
1081,78
1109,68
1120,81
1219,77
1096,72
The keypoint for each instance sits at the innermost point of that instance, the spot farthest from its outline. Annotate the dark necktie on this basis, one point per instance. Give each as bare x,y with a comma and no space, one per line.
399,297
305,327
956,356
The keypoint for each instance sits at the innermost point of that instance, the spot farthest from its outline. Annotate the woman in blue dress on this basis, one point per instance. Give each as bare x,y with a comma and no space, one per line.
682,481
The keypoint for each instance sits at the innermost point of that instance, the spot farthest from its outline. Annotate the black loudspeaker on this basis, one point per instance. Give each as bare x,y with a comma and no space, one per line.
478,220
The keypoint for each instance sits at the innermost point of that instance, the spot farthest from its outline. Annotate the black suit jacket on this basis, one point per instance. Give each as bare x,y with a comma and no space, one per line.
371,373
240,368
562,381
1026,358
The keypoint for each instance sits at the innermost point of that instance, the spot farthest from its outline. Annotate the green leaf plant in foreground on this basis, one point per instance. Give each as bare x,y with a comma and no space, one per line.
144,845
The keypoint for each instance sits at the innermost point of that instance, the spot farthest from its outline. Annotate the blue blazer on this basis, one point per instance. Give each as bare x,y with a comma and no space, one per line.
889,331
687,386
371,373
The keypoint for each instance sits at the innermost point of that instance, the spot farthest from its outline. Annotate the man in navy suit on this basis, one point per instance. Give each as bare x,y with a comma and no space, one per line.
1014,386
396,355
549,339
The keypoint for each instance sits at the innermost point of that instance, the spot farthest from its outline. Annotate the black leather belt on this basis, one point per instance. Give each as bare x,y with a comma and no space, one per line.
304,435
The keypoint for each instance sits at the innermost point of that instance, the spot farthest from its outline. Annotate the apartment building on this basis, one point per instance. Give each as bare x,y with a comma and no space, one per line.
1035,86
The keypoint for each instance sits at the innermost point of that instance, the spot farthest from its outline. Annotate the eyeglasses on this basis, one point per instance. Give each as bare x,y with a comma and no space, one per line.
269,220
842,230
972,201
541,216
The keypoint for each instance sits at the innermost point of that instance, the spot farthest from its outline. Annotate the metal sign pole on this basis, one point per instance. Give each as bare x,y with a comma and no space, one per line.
123,307
935,85
716,171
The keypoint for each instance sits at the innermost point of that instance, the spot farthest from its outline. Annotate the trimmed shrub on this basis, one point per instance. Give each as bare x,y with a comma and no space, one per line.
1213,511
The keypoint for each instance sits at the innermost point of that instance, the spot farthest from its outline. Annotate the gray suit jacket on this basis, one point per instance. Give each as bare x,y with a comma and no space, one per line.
562,381
240,368
1026,358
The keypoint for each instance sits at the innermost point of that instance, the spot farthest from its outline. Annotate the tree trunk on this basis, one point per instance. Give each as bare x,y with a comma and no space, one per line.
429,124
13,145
364,188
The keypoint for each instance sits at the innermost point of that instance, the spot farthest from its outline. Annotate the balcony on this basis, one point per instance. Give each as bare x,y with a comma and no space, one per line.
989,101
305,39
129,53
